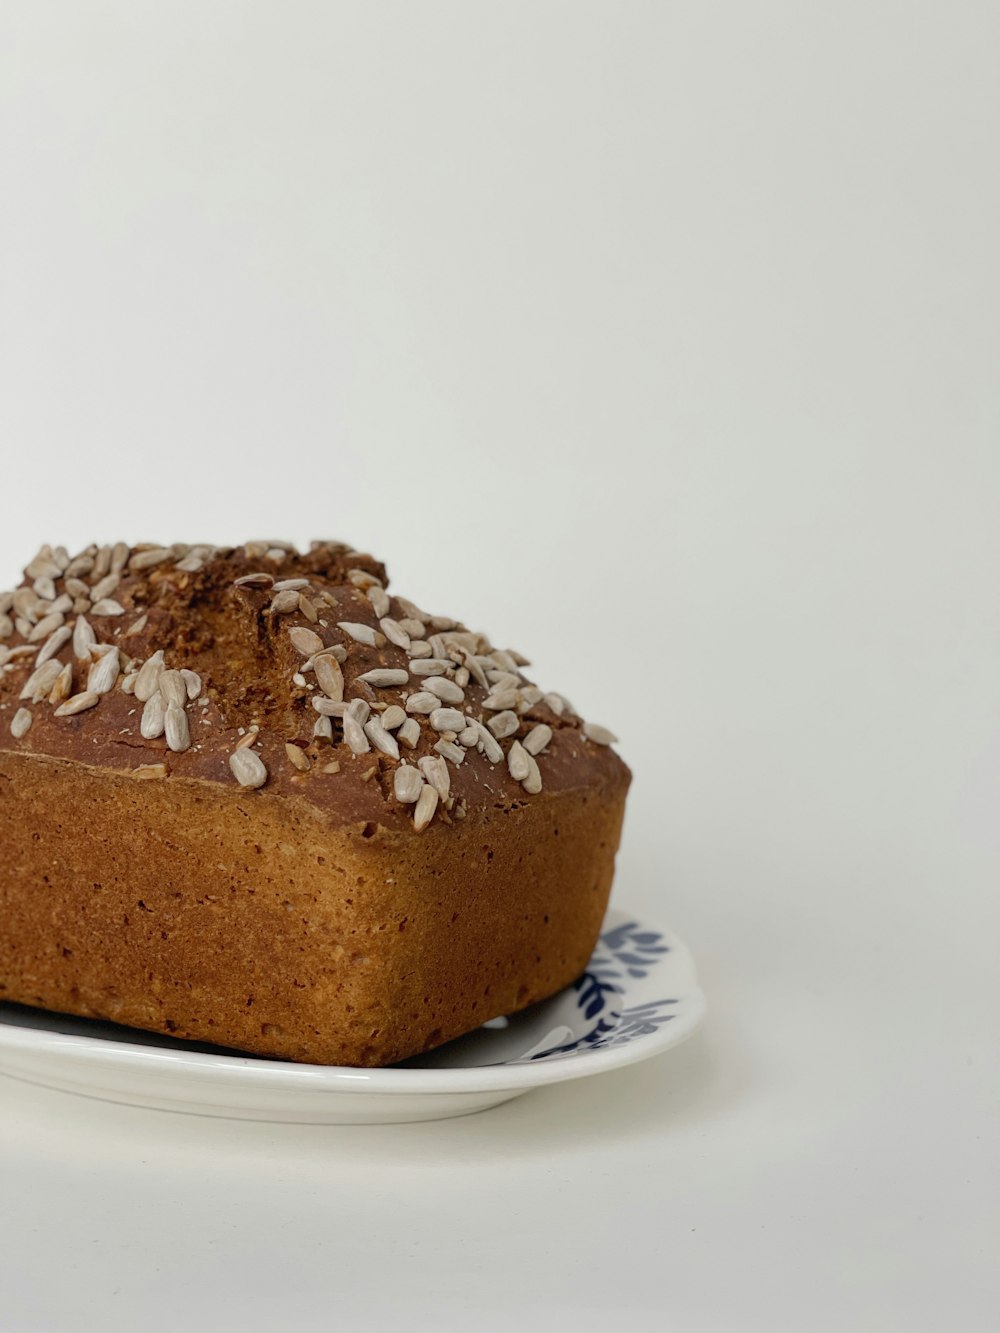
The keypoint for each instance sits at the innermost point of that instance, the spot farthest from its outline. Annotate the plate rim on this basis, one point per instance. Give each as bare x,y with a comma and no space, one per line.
259,1073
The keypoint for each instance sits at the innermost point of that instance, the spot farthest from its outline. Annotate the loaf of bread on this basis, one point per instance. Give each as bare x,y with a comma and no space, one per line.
250,798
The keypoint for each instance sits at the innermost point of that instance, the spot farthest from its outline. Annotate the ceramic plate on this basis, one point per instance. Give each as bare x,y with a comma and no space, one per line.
638,996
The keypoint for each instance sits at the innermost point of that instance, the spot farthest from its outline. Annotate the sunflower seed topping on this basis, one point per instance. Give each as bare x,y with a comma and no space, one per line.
248,768
104,588
53,644
532,784
329,676
469,737
435,771
393,717
504,724
427,803
537,738
176,727
153,719
418,648
450,751
291,585
381,739
328,707
284,603
409,733
148,772
107,606
79,703
361,633
305,641
45,627
250,738
599,735
517,762
395,633
20,723
379,599
63,686
447,719
500,700
172,688
103,671
149,559
192,683
422,702
429,666
148,680
260,579
354,735
297,757
137,626
384,677
407,784
45,588
323,729
41,680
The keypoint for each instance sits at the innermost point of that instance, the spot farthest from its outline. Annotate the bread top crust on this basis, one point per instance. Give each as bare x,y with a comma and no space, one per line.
273,637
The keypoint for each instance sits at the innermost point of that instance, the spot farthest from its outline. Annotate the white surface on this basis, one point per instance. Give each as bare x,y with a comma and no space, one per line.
615,1016
660,329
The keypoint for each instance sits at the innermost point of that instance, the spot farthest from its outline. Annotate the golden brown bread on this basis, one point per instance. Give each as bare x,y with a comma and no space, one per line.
208,830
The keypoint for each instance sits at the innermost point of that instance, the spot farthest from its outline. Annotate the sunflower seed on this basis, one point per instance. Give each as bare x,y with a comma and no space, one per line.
329,676
173,689
407,784
558,703
21,651
105,587
306,641
136,627
504,724
469,737
500,700
503,680
291,585
490,745
78,568
419,649
276,553
412,625
354,735
26,603
381,739
308,608
153,719
53,644
23,627
42,567
505,661
462,677
422,702
283,603
6,626
328,707
360,710
260,579
79,703
41,680
103,672
45,588
128,682
148,680
384,677
361,633
447,719
192,683
423,812
45,627
176,727
148,772
332,767
409,733
190,564
395,633
517,762
107,606
20,723
532,784
249,739
379,599
362,579
323,729
429,666
297,757
530,694
248,768
150,558
537,738
450,751
393,717
63,686
119,556
599,735
435,771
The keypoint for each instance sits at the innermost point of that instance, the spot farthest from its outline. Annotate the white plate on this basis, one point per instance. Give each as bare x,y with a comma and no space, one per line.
638,996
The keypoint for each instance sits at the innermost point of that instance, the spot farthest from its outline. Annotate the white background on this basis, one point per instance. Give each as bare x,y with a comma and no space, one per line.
661,340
